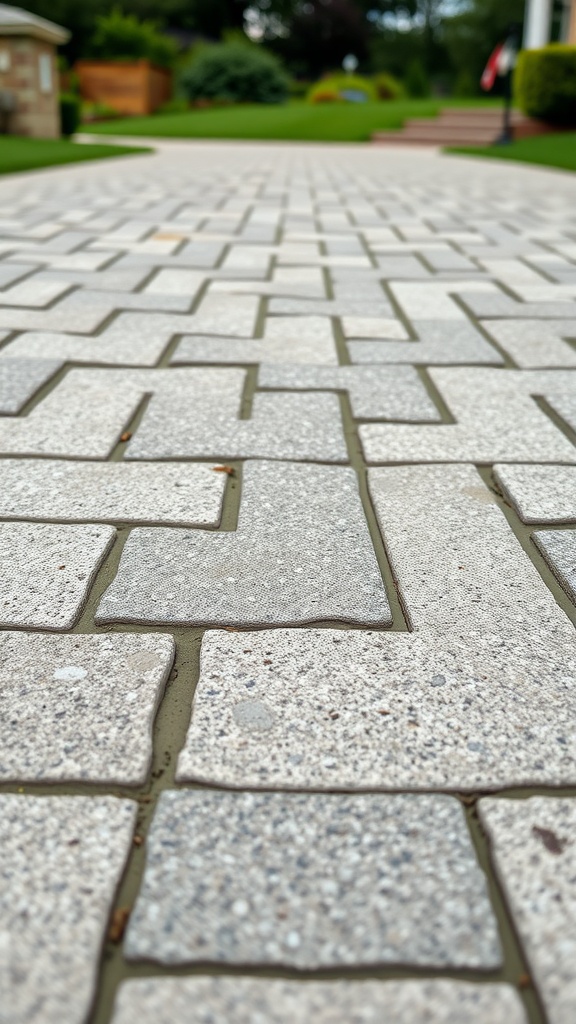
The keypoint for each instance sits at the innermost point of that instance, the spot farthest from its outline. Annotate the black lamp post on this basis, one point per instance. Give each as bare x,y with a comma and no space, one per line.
511,47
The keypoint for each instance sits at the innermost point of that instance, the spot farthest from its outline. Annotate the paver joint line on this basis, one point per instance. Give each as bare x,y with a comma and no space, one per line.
288,561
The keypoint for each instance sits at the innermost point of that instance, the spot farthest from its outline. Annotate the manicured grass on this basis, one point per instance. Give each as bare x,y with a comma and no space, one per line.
557,150
326,122
22,154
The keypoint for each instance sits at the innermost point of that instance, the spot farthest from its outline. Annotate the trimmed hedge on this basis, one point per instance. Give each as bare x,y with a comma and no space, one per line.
70,107
235,72
388,87
545,83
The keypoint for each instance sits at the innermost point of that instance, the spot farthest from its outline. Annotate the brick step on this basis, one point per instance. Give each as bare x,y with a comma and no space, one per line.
461,127
437,138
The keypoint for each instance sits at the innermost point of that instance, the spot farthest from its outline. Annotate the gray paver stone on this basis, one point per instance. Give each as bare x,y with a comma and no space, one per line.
181,495
20,379
559,550
47,571
301,553
79,708
275,1001
535,856
60,861
311,880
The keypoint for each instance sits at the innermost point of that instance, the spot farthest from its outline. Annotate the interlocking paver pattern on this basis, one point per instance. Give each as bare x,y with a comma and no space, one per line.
287,520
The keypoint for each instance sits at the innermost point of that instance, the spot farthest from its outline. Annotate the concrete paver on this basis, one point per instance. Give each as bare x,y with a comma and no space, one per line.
312,881
320,402
201,1000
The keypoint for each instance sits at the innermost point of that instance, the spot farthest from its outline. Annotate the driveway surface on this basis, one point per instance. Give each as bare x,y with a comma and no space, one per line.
288,571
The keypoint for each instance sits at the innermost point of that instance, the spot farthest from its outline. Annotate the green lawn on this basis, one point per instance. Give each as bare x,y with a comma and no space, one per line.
548,150
329,122
23,154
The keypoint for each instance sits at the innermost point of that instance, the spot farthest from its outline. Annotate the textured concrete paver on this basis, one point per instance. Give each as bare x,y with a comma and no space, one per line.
321,401
47,571
540,494
325,567
312,880
245,1000
535,855
79,707
559,550
20,379
60,861
182,495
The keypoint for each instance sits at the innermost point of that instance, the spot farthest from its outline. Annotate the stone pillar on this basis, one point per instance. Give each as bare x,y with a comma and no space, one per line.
537,26
572,26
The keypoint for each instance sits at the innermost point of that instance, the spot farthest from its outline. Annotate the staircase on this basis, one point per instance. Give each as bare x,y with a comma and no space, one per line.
459,127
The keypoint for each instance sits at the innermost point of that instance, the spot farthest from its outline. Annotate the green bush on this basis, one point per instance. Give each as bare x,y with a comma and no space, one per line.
416,80
69,113
545,83
387,87
338,85
121,36
236,73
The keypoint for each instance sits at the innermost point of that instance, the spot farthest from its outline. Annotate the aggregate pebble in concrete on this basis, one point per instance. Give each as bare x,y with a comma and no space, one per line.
80,708
46,572
20,379
441,706
301,553
180,495
559,550
535,856
274,1001
391,393
540,494
497,420
304,427
311,880
60,861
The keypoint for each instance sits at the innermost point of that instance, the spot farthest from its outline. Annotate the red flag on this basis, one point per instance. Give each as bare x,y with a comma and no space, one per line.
492,68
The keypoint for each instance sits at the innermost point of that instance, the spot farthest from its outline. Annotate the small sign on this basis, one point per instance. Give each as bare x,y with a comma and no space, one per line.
350,63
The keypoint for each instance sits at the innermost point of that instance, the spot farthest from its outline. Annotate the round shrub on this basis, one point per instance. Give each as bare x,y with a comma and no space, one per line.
234,72
69,113
387,87
545,83
351,88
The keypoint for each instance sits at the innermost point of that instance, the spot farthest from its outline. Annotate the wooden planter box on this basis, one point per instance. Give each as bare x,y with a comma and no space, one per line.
138,88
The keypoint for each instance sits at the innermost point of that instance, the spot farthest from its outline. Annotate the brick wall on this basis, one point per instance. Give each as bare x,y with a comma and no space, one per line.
28,69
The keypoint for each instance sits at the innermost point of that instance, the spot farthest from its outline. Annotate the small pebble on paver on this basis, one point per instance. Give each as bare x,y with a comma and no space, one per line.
61,858
312,880
80,708
47,570
250,1000
179,495
559,550
535,856
301,553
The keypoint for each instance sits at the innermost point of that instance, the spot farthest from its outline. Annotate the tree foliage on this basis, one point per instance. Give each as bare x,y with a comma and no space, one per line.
449,38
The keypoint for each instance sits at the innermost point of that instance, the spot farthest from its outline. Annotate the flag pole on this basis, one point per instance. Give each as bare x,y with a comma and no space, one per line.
511,48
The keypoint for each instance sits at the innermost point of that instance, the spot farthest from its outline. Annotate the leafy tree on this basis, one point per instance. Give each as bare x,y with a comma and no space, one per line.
471,35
